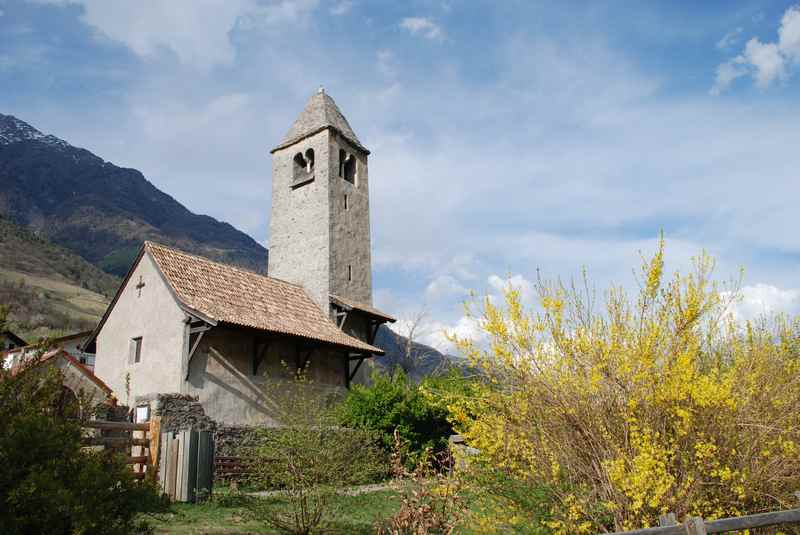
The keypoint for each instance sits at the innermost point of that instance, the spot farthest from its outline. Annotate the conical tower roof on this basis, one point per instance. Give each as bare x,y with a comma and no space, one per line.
321,112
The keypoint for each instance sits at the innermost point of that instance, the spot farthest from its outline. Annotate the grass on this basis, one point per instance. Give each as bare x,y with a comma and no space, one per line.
44,306
227,514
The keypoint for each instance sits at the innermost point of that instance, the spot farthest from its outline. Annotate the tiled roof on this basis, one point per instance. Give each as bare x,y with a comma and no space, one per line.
367,309
320,112
53,353
232,295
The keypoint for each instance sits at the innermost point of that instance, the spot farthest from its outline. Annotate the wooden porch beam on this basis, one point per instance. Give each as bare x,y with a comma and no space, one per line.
199,332
352,374
259,354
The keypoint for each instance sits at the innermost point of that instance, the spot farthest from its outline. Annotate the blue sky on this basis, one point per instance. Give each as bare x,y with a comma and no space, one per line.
506,137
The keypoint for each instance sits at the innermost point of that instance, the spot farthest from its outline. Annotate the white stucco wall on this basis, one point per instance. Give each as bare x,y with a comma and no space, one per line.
157,318
221,375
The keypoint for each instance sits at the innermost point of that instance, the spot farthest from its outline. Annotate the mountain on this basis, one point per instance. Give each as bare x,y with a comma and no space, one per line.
49,290
415,359
100,211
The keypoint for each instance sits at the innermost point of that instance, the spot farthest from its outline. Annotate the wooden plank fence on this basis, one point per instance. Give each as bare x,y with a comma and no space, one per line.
186,461
182,462
698,526
132,439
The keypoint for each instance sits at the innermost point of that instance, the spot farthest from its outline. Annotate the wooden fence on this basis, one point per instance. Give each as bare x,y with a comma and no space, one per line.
137,441
231,469
698,526
187,465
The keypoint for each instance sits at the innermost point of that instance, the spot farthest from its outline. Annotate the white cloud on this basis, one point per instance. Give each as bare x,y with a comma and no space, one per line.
766,63
765,299
767,60
444,286
789,34
526,288
730,39
341,8
726,74
196,31
437,334
422,26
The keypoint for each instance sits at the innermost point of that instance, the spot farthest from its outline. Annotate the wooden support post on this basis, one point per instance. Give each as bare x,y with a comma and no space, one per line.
155,442
166,444
695,526
260,348
172,466
373,332
351,374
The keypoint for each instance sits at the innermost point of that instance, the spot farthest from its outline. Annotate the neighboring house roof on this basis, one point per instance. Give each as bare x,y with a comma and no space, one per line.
361,307
19,342
223,293
83,370
321,112
52,342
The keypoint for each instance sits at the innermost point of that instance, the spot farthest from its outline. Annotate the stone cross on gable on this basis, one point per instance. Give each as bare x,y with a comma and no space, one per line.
140,285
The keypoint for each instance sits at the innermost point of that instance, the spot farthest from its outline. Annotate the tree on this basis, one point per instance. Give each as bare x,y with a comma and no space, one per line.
655,404
414,355
393,403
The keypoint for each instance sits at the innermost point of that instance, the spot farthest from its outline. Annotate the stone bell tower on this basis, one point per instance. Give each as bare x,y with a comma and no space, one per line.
319,229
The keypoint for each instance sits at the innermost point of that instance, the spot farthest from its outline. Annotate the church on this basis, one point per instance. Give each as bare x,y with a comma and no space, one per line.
183,324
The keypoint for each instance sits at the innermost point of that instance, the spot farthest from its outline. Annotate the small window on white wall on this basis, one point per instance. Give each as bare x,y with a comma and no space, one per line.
135,355
142,413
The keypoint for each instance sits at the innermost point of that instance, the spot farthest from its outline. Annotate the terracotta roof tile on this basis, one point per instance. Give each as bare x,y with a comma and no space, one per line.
232,295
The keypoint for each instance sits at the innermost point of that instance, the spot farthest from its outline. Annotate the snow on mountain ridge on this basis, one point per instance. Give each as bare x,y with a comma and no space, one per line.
13,130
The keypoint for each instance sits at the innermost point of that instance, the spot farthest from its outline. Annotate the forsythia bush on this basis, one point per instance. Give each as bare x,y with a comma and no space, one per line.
646,406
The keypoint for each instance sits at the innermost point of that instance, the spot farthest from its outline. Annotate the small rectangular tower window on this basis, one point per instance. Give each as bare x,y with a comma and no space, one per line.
349,272
346,206
136,350
347,167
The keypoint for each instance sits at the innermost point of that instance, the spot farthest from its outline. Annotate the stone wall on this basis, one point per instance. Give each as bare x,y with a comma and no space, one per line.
230,440
178,412
299,235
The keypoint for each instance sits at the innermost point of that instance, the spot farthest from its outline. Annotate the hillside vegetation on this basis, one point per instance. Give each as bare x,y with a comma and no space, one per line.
49,290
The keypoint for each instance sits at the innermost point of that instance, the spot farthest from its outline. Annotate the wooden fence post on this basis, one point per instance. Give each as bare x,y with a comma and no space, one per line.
155,442
695,526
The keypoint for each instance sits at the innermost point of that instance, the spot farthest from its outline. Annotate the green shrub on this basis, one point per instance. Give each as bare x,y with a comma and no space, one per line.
309,458
392,403
48,484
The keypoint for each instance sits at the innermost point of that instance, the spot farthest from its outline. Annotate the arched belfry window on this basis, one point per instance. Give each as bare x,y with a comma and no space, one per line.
347,167
303,168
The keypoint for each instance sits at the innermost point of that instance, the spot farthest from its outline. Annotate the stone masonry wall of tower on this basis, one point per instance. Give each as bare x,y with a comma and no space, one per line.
350,256
299,236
